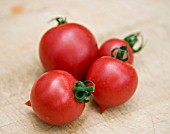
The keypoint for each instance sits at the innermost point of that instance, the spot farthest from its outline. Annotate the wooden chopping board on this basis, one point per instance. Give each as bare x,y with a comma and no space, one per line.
22,24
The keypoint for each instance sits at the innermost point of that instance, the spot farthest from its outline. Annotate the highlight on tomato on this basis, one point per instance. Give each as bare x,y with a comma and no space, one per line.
115,80
58,98
68,46
129,41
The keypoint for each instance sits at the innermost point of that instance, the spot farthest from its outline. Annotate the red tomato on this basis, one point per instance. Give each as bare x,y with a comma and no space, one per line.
115,81
106,48
56,98
130,41
70,47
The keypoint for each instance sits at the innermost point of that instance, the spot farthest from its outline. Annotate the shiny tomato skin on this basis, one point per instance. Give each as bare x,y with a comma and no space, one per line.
52,98
107,46
70,47
115,81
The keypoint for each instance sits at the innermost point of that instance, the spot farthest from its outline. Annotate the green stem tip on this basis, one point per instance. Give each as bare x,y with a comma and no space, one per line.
120,53
132,39
83,91
60,20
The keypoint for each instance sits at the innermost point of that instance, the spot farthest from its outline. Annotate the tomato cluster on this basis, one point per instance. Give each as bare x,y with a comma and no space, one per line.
69,54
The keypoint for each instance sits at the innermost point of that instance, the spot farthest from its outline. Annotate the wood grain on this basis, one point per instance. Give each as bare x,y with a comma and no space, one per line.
147,112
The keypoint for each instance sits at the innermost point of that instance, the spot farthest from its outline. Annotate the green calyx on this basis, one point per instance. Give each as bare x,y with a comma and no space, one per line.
83,92
133,39
120,53
60,20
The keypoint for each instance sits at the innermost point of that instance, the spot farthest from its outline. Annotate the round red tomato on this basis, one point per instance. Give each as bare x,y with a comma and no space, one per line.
109,45
70,47
130,41
115,81
58,98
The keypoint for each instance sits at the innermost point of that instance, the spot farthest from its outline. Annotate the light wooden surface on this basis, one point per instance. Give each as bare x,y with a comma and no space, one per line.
22,24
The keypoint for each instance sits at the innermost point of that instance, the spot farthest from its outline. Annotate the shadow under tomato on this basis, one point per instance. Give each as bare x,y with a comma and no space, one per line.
42,126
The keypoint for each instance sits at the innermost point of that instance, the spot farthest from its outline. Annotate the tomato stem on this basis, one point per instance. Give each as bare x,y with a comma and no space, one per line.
60,20
132,39
83,92
120,53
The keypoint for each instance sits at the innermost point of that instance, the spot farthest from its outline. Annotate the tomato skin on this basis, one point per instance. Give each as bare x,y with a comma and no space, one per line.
70,47
115,81
52,98
107,46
